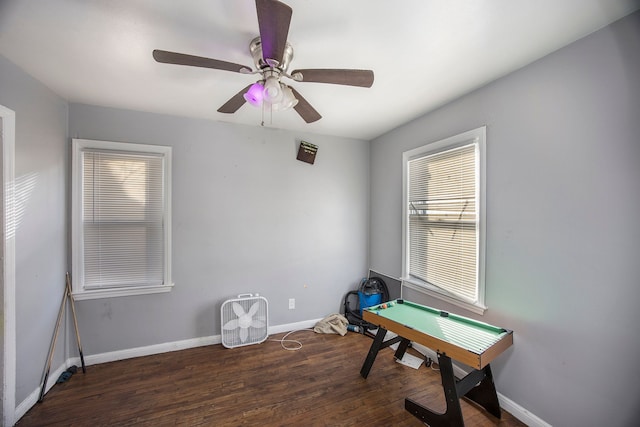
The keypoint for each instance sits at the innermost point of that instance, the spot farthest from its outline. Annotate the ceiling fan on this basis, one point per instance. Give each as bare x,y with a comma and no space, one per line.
272,55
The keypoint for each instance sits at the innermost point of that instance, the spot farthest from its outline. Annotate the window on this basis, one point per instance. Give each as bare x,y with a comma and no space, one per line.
121,219
443,221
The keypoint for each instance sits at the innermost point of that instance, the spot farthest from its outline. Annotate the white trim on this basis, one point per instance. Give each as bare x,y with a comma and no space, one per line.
114,356
33,398
478,135
506,404
180,345
307,324
79,292
8,118
121,292
521,413
438,293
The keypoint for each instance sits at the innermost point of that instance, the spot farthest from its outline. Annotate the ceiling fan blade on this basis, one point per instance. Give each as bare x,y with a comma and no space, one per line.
306,111
363,78
197,61
236,101
274,18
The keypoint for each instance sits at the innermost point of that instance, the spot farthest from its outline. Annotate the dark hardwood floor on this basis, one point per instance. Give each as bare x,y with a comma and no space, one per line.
256,385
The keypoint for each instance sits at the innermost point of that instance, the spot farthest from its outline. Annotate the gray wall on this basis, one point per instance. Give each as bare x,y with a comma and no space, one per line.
247,217
41,219
563,238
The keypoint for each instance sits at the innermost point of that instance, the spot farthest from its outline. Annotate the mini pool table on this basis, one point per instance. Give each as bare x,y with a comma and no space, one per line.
452,336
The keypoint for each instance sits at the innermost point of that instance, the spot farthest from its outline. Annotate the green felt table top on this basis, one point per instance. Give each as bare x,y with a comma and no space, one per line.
467,333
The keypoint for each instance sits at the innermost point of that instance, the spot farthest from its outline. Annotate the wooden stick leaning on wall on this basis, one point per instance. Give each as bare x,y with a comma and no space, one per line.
52,347
75,322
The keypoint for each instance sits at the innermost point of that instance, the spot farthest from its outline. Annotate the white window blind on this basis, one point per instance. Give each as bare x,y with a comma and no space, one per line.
121,219
443,220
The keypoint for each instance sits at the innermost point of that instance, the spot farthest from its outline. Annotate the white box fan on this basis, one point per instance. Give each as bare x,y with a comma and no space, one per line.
244,320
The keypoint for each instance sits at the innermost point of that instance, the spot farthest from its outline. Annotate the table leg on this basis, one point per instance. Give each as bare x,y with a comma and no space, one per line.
452,417
477,386
485,394
376,345
402,348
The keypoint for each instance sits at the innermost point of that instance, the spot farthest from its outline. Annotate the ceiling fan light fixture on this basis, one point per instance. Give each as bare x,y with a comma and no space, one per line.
255,94
272,91
288,99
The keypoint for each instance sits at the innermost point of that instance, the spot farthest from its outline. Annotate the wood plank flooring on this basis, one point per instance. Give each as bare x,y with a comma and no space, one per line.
256,385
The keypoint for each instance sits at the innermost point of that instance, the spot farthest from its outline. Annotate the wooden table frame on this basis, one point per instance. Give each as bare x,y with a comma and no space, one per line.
477,386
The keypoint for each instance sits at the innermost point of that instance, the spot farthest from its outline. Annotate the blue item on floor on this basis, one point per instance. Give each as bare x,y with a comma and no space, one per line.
368,300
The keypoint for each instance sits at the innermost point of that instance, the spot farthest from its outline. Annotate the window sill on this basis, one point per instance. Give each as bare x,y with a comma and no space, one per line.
432,292
120,292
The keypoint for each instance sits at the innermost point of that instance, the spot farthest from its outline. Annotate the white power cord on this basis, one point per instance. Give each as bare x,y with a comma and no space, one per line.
283,340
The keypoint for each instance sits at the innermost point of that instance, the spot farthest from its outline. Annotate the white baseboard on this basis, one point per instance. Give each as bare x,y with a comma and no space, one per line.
505,403
114,356
307,324
32,399
521,413
148,350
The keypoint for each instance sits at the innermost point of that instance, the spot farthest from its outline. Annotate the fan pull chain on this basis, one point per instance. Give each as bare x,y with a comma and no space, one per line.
270,114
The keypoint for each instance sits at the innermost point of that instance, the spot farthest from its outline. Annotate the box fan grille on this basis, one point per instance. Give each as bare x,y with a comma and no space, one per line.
244,320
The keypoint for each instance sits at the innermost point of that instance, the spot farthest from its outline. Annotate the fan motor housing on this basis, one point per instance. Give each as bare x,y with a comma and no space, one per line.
255,47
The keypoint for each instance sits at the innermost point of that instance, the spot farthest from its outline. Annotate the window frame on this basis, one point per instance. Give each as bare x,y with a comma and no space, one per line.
77,230
477,136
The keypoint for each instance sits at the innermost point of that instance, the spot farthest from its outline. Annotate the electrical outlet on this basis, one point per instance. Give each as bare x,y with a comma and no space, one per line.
292,303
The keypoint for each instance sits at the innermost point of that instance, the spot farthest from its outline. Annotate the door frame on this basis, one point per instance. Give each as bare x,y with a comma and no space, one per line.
8,276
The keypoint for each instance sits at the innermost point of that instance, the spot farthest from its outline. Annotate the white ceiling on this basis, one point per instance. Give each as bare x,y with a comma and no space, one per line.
424,52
